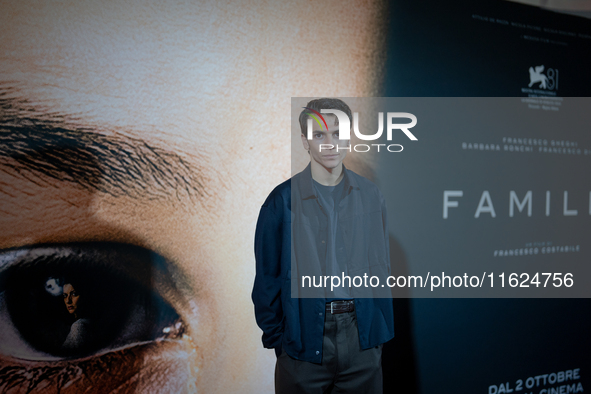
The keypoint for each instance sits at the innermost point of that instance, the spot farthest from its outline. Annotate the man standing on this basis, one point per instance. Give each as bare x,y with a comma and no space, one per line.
326,221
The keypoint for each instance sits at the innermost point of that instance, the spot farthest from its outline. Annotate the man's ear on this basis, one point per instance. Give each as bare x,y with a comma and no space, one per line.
305,142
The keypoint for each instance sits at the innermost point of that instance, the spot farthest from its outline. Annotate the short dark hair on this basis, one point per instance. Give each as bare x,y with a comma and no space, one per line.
323,103
73,281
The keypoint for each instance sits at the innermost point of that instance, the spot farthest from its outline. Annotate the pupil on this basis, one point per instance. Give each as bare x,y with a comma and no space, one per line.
103,308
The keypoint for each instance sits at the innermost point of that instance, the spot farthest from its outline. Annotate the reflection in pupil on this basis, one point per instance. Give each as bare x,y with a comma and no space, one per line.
84,303
81,330
73,315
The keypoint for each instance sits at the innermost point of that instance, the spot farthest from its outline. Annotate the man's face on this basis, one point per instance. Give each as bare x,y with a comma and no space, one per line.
172,123
326,147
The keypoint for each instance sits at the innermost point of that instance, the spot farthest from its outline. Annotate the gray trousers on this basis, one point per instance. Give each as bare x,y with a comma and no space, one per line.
345,368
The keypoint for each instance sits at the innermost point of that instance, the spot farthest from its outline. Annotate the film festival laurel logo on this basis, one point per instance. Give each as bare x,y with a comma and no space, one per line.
345,129
537,76
548,81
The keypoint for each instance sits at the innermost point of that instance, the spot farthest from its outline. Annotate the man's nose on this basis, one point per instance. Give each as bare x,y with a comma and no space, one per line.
331,140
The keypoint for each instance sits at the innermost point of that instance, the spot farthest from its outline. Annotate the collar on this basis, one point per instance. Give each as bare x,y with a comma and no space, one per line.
307,186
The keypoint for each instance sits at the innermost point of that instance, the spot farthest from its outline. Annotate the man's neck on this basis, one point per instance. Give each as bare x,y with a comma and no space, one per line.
327,176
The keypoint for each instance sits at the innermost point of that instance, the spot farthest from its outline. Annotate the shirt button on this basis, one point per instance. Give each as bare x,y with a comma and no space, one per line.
322,241
317,352
320,314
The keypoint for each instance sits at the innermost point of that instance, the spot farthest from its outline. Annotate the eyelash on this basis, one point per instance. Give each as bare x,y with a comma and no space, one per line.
64,374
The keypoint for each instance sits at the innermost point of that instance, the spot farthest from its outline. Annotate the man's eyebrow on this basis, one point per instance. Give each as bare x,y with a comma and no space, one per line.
45,149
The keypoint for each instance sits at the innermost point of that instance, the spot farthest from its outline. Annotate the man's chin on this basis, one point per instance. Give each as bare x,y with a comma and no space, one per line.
331,165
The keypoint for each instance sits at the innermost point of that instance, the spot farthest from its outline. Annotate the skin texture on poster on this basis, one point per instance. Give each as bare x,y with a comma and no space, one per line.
155,129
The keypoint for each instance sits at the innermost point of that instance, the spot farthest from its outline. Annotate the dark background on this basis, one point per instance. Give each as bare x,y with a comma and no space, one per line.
438,49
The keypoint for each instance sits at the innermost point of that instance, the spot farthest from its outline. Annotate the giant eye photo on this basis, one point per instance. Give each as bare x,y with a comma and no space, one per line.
83,302
66,304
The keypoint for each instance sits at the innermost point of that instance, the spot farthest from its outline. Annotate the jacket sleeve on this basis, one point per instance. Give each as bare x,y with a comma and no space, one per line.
266,293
